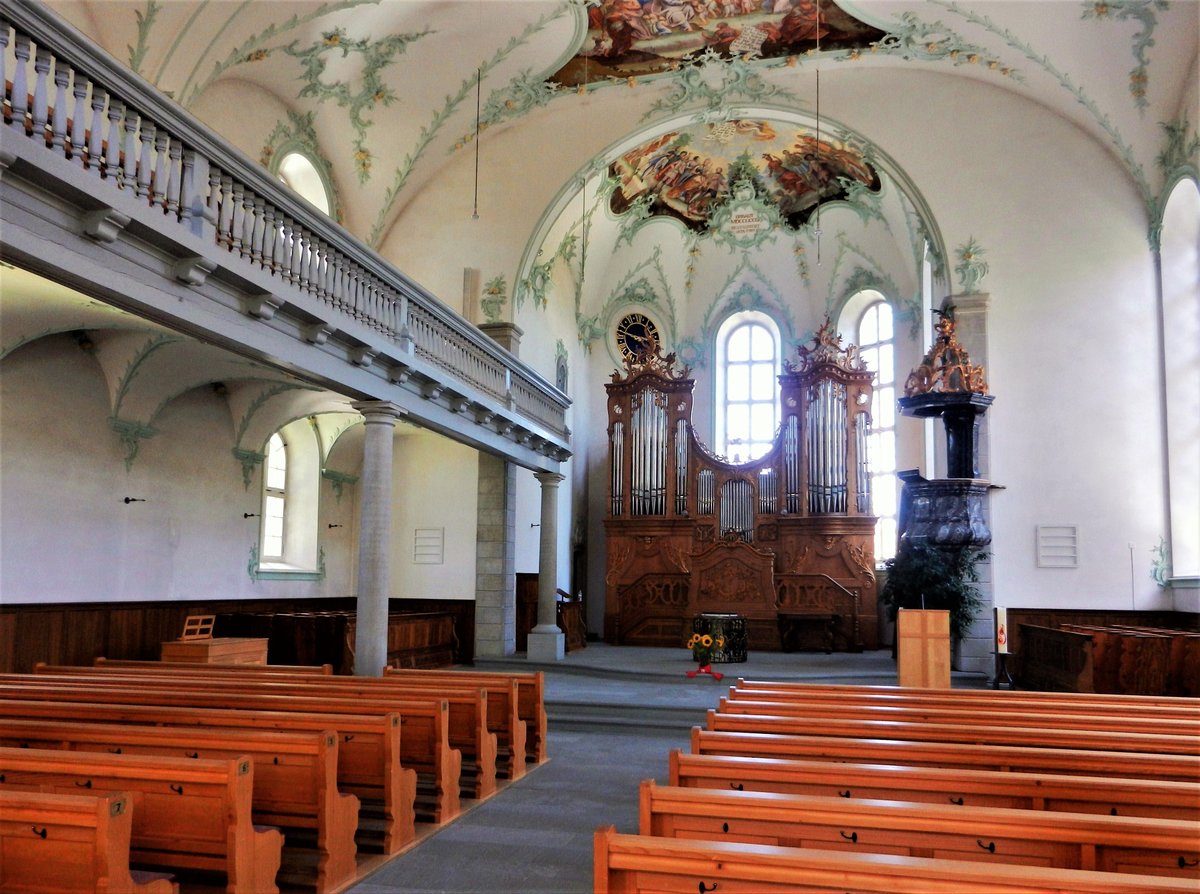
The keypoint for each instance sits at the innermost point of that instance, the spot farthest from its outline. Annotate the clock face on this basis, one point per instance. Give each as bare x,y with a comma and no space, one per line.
637,334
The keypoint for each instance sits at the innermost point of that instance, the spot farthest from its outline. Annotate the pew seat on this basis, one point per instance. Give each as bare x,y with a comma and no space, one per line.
70,844
187,813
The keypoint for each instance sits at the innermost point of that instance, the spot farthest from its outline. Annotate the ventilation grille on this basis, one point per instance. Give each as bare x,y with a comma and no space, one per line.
429,546
1057,546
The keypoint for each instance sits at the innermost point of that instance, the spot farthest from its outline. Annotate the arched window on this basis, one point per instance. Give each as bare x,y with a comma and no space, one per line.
747,392
875,341
274,499
297,171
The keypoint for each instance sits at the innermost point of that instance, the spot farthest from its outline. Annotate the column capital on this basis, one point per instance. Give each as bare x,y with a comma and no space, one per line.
381,409
549,479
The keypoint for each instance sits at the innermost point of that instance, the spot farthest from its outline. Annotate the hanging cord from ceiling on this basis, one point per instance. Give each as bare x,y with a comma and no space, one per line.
817,159
478,106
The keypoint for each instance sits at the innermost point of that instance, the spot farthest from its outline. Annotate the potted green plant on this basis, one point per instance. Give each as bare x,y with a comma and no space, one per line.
925,576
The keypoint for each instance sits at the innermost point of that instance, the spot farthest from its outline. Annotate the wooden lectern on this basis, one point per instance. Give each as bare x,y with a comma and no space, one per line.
923,648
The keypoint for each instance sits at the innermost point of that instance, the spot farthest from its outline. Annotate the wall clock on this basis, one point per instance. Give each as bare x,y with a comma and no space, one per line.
637,334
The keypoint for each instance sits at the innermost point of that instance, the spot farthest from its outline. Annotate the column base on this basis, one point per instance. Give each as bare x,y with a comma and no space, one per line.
546,644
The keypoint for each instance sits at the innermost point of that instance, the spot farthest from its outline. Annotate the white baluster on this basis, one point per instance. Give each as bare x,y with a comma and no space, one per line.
214,197
280,246
235,222
247,234
145,160
285,255
58,122
174,180
20,88
41,68
79,90
96,137
256,236
112,160
299,248
3,59
268,241
158,194
314,266
190,204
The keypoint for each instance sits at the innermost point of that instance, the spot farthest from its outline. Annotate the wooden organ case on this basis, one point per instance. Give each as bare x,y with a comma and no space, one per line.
783,540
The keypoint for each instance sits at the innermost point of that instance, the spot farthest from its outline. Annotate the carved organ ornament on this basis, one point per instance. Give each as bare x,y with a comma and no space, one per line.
802,511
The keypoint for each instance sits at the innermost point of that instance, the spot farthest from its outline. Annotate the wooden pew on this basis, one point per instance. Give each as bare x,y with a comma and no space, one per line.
466,709
133,664
424,741
1108,702
1137,845
1173,767
70,844
295,777
1040,737
472,713
1112,796
368,750
964,716
531,707
193,814
631,863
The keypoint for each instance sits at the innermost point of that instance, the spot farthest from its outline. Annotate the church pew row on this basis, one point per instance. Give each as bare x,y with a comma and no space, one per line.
71,844
531,707
295,779
424,739
1137,845
968,716
133,664
368,754
1112,796
1107,702
502,723
467,728
1038,737
193,814
623,864
965,756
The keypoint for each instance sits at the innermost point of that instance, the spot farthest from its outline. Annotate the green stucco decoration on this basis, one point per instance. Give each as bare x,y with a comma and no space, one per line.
131,434
358,99
494,297
1160,567
338,481
250,461
1140,11
971,268
145,22
713,82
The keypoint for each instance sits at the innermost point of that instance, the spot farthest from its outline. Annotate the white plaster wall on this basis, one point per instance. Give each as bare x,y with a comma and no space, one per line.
67,536
434,485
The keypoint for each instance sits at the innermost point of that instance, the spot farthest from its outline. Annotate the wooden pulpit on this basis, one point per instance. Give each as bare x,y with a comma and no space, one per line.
923,648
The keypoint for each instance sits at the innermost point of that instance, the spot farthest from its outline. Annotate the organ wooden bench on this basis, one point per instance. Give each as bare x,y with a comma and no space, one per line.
368,749
466,710
192,814
132,664
1058,703
959,715
1175,767
993,835
631,863
295,777
531,707
937,785
70,844
1040,737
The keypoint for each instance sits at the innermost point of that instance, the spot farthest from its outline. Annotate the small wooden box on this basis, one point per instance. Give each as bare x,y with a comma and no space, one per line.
923,648
223,650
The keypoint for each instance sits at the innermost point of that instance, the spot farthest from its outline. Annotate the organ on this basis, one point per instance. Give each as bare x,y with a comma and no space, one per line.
783,539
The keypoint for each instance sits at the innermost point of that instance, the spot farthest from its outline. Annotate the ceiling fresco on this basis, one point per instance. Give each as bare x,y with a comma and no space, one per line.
632,38
688,174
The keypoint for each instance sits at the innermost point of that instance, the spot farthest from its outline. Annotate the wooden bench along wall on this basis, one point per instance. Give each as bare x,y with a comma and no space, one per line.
1112,796
192,814
133,664
1137,845
424,741
496,733
1040,737
70,844
467,708
531,707
1172,767
368,749
623,864
968,716
295,777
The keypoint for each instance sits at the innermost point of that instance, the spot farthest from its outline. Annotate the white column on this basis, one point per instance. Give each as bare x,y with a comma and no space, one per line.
375,537
546,641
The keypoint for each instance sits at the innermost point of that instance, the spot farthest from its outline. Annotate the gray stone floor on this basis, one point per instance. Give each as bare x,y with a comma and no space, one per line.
615,713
